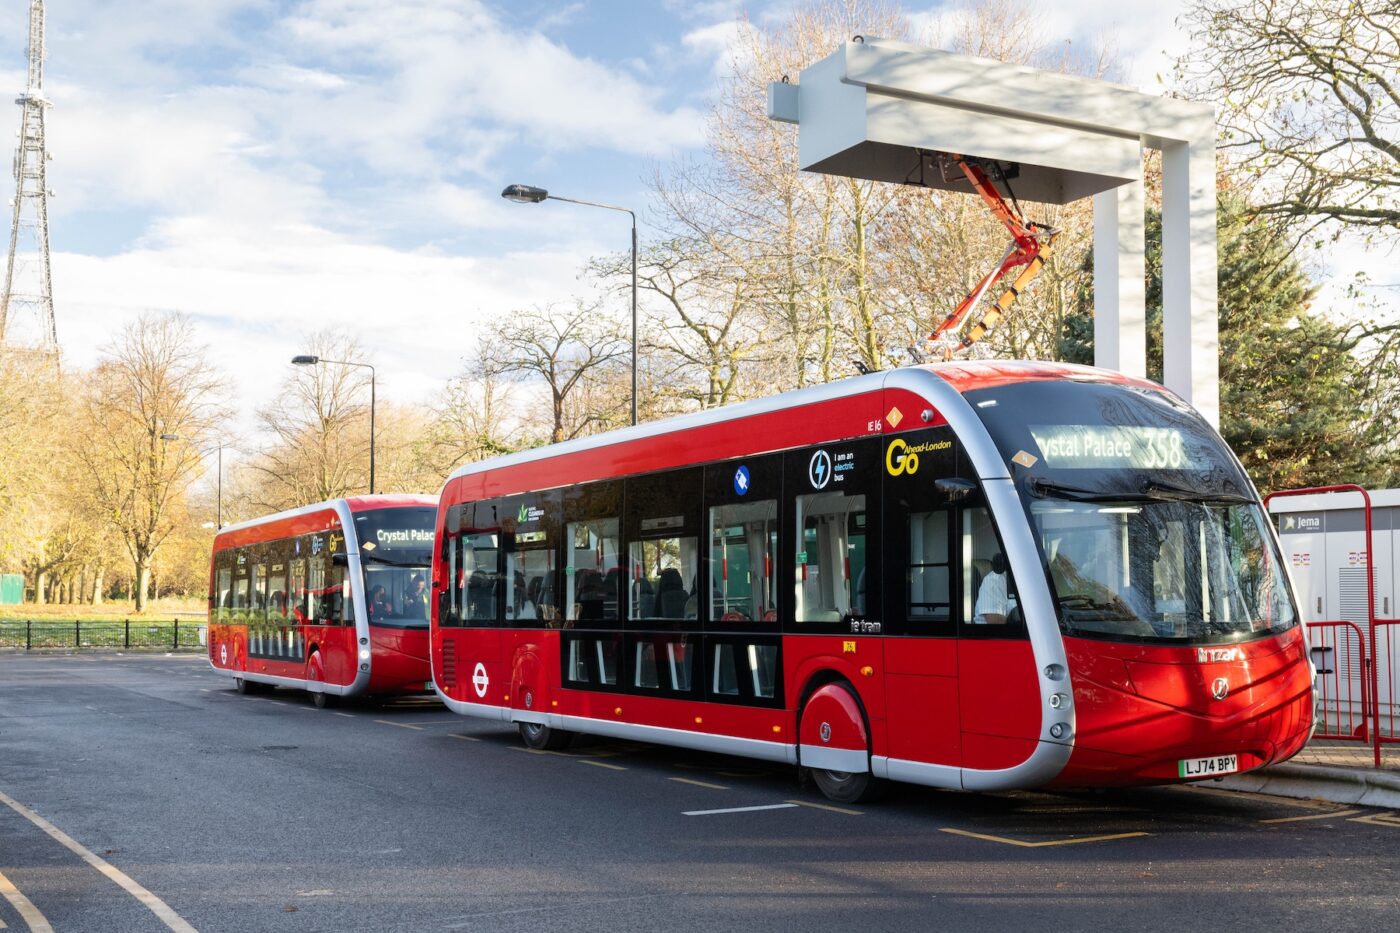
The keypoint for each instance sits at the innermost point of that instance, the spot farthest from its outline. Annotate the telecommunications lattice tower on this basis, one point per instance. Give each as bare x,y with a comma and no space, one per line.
26,305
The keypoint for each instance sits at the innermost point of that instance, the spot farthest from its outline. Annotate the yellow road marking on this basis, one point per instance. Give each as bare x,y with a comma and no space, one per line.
152,903
465,738
401,725
1038,845
827,806
699,783
1380,819
27,911
602,764
1312,816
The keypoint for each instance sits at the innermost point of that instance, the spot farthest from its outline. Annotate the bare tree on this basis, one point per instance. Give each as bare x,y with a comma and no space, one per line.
472,420
569,350
320,421
699,331
152,382
1310,94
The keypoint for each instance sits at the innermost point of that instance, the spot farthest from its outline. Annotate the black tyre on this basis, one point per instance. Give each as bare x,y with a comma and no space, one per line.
244,687
543,738
321,699
848,787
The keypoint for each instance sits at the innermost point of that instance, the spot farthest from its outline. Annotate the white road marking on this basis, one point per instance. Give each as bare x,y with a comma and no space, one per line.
27,911
771,806
152,903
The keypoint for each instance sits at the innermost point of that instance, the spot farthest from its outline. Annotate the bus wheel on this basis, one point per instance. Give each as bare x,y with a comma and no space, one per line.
542,738
845,787
243,686
316,672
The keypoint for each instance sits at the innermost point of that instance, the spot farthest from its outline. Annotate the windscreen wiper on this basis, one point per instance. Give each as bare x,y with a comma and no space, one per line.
1158,489
376,559
1043,487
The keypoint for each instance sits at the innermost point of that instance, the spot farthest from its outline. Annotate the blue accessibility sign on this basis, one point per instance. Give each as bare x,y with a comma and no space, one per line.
741,480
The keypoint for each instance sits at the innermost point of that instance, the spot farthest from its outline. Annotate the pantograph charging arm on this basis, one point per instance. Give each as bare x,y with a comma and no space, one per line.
1031,244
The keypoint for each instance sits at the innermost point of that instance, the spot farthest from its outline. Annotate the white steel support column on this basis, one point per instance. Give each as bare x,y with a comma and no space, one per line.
1190,328
1120,280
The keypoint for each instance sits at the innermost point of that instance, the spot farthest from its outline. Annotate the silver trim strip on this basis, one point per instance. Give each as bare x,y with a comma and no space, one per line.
852,760
292,682
1042,621
476,710
699,741
918,772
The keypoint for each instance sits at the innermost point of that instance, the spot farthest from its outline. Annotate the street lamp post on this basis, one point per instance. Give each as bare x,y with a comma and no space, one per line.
219,483
528,194
311,360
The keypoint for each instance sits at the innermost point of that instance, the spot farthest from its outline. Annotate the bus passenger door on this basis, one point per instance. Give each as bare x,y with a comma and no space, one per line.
998,691
921,650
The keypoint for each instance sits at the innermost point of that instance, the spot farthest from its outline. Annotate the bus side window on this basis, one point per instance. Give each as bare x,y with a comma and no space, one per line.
593,569
240,585
223,588
743,558
990,607
663,547
530,548
480,568
835,515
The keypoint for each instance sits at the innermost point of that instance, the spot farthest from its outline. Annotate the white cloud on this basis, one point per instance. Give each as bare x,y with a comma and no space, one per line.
417,313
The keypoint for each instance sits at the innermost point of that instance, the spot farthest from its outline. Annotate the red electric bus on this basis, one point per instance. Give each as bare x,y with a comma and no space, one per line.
972,575
331,598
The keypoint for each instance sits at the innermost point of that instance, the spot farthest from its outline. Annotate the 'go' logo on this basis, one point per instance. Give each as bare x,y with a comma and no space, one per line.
897,461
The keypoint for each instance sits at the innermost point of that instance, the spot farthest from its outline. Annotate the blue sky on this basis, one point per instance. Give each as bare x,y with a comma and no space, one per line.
273,168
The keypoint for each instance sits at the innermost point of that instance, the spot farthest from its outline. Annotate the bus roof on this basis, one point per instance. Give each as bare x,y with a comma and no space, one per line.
961,376
353,503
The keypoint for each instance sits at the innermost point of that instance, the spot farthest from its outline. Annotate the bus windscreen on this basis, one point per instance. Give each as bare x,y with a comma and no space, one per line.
396,546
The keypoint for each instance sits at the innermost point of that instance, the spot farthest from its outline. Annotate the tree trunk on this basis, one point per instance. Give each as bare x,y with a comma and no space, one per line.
41,583
97,586
143,583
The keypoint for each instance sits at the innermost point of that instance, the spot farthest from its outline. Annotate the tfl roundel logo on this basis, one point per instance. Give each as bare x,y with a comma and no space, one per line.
819,469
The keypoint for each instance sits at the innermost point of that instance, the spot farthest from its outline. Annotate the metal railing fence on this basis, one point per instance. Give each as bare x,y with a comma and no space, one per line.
171,635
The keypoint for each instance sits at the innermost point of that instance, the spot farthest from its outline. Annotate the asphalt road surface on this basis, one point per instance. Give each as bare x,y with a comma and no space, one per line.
139,792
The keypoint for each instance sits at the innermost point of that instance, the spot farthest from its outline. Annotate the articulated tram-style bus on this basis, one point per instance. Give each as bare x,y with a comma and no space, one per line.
973,575
332,598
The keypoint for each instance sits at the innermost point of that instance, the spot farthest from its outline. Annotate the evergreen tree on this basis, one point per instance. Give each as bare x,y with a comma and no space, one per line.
1303,401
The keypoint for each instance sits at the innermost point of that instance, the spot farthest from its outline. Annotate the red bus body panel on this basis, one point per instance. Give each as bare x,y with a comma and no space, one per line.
1142,708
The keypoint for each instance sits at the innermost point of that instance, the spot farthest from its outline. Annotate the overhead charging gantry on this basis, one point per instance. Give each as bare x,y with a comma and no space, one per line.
1031,243
873,106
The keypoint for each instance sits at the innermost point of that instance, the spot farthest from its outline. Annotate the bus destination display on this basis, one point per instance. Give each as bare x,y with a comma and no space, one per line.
1100,447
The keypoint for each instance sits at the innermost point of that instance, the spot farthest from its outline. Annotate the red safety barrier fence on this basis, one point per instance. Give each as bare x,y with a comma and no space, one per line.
1343,680
1386,688
1379,644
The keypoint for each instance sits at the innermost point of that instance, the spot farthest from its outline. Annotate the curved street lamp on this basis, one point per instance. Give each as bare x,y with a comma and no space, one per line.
308,359
529,194
219,508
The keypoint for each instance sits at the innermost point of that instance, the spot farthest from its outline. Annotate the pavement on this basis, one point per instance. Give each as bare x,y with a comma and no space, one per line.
1330,770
